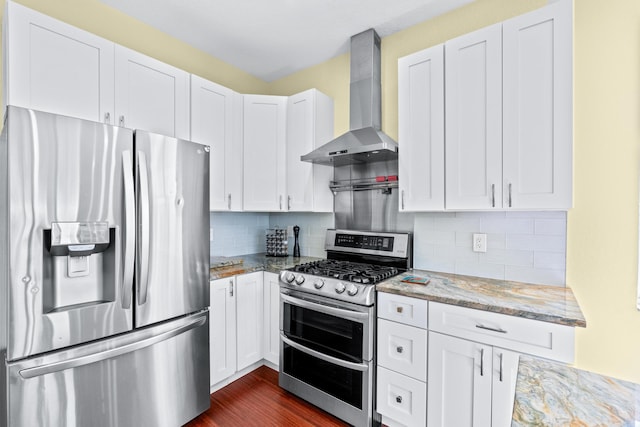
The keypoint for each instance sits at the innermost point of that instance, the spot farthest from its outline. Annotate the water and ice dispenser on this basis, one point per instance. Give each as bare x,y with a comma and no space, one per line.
79,264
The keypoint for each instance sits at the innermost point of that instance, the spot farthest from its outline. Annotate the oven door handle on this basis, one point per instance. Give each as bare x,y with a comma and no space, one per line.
346,314
334,360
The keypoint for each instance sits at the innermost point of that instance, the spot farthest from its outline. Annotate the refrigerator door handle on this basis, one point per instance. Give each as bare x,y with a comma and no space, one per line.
129,236
111,353
143,283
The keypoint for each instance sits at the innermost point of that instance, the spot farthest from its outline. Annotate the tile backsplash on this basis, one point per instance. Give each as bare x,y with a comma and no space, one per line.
237,233
240,233
313,229
521,246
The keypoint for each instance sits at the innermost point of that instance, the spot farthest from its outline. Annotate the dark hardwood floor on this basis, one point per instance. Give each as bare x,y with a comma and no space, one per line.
257,400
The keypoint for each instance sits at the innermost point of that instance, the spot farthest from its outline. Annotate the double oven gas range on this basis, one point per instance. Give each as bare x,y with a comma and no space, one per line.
328,321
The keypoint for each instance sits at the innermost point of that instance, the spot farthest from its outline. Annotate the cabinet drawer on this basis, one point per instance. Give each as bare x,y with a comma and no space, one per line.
529,336
401,398
402,349
401,309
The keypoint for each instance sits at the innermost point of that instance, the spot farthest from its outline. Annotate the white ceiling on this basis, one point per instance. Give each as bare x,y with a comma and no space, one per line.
273,38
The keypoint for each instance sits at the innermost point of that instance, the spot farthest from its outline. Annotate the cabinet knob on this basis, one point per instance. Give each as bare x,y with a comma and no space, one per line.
399,309
399,349
399,399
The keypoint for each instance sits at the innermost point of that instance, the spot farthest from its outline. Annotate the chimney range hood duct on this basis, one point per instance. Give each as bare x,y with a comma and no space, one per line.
364,142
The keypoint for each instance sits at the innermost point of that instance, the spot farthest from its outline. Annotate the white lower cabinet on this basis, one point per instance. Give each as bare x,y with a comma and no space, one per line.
470,384
447,365
236,324
473,362
271,332
222,329
401,386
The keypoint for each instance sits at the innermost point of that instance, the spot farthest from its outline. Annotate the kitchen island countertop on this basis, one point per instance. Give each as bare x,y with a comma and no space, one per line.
221,267
553,304
553,394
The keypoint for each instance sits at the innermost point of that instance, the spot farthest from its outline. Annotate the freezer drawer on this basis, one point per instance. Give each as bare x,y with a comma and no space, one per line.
158,376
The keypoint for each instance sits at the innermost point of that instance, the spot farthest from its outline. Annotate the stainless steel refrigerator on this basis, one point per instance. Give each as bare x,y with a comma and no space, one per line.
104,274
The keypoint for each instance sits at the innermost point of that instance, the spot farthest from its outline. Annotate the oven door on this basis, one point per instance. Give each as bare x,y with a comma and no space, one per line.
326,354
337,329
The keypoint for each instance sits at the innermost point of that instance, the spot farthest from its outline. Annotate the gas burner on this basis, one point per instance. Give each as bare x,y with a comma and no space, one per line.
366,274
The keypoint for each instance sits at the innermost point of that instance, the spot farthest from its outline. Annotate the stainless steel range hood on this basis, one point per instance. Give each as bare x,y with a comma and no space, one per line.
364,142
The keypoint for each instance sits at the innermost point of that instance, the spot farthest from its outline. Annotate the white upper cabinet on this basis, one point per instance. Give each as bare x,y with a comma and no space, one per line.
309,125
216,120
421,130
538,108
473,84
151,95
508,117
55,67
264,135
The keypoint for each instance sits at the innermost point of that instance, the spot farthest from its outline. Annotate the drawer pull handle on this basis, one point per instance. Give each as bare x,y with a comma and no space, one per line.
482,362
487,328
399,349
399,399
399,309
501,356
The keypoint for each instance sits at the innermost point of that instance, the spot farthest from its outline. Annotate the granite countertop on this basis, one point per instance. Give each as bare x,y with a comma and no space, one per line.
242,264
553,304
553,394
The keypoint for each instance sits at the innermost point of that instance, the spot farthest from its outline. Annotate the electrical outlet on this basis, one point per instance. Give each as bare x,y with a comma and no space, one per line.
479,242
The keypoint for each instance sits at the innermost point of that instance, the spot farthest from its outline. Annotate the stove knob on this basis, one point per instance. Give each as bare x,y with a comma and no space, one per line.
300,279
352,290
289,277
340,287
318,283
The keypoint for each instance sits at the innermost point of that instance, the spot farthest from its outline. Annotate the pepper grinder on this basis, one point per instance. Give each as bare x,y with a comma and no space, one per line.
296,245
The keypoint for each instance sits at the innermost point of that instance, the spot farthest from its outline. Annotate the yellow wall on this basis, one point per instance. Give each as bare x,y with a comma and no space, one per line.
104,21
602,231
602,237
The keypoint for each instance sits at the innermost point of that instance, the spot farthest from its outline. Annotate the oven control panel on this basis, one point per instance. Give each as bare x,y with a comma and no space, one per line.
379,243
369,242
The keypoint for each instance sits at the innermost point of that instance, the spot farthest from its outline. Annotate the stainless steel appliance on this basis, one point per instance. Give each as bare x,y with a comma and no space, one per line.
328,321
364,142
104,268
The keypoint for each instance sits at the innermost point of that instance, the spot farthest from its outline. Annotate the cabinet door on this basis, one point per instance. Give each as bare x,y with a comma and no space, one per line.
264,133
151,95
249,302
505,373
222,329
309,125
216,120
421,130
271,331
459,386
538,108
54,67
473,84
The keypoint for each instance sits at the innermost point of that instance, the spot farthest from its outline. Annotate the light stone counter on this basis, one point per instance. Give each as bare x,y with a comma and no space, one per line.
553,304
553,394
242,264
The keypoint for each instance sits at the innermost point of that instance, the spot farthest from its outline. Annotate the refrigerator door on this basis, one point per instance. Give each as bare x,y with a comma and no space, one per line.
172,256
157,376
70,228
